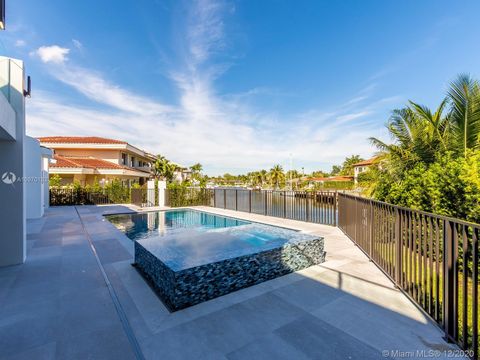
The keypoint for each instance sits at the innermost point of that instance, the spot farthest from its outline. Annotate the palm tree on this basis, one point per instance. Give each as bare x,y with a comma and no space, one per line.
464,96
418,134
258,178
163,168
169,170
157,167
196,168
196,171
276,175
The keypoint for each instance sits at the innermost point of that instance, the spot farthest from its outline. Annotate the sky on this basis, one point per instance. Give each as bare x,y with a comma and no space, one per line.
237,85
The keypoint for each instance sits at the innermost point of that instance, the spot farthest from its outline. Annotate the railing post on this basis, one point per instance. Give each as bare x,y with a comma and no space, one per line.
372,227
284,204
335,199
224,198
236,199
448,280
214,197
250,201
398,247
307,214
265,201
355,221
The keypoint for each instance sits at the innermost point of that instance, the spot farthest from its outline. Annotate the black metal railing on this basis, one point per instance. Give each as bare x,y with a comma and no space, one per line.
144,197
433,259
312,206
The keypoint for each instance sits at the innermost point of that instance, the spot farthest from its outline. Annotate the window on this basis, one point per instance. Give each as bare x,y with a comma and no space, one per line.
132,163
124,159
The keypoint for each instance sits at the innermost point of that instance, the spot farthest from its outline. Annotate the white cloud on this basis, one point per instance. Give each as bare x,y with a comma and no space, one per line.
224,133
95,87
205,29
52,54
20,43
77,44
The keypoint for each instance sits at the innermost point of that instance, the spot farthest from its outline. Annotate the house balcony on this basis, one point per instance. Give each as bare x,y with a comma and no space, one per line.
143,168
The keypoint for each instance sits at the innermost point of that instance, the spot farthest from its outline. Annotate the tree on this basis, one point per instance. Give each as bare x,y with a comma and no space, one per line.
433,161
464,96
196,168
319,174
276,175
335,170
55,180
347,166
165,169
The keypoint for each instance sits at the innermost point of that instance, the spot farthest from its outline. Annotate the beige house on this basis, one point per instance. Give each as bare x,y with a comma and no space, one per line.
361,167
90,159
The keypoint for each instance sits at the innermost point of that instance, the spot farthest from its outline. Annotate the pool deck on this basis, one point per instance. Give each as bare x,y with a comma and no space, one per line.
63,303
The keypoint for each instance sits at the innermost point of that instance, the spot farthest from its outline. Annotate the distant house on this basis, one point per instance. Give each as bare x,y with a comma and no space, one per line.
90,159
362,166
182,174
331,179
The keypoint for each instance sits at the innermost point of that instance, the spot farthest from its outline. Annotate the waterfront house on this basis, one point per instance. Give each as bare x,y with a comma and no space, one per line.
89,159
362,167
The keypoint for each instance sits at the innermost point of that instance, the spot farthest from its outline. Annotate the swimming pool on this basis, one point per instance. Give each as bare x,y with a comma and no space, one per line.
191,256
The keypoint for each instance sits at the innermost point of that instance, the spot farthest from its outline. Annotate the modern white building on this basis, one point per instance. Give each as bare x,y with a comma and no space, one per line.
23,164
12,167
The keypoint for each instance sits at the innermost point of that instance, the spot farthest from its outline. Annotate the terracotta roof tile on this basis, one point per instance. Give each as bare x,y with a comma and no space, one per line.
366,162
79,140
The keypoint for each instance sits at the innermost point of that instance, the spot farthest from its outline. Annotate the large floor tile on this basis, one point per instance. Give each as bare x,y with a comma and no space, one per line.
106,343
320,340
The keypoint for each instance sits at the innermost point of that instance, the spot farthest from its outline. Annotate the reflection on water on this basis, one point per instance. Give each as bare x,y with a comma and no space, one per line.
186,238
141,226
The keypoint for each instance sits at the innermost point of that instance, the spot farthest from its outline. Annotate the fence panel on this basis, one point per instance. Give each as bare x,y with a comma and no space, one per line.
433,259
71,196
189,197
317,207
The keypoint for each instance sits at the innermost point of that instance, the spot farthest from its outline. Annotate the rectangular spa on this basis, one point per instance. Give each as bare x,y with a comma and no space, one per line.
190,256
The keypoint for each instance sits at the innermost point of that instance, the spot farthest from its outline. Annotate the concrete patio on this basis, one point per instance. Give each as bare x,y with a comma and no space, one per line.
63,303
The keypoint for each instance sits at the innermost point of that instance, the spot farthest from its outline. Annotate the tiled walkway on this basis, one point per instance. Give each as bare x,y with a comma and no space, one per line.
58,305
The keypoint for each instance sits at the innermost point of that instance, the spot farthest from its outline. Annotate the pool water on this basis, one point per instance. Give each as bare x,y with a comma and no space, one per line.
185,238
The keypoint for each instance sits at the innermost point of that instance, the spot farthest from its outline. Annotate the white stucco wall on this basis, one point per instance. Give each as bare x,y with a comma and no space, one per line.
47,155
33,187
12,203
7,120
36,177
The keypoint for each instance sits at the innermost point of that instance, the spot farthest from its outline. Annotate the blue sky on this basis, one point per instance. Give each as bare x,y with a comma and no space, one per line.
237,85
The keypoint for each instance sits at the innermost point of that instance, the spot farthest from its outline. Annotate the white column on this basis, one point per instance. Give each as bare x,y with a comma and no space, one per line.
33,185
150,192
47,155
12,198
162,186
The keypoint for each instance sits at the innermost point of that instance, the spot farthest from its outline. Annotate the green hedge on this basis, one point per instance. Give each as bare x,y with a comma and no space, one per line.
180,195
